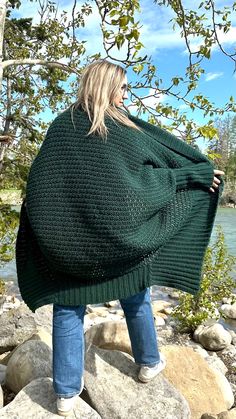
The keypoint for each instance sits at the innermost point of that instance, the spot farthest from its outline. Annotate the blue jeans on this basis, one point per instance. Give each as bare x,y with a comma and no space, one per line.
68,340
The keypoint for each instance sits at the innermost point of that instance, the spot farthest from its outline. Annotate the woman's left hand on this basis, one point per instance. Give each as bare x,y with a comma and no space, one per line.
216,180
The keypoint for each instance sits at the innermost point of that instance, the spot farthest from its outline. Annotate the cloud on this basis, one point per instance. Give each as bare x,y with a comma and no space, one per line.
213,76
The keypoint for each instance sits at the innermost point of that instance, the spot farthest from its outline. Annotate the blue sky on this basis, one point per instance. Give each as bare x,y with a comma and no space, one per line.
166,47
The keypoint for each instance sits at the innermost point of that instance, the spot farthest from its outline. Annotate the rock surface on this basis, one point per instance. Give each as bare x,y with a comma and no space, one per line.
213,337
31,360
16,326
2,373
1,398
229,310
227,414
38,401
115,392
43,318
196,380
109,335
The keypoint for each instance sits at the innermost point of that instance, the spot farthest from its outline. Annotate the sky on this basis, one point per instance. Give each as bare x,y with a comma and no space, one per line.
166,48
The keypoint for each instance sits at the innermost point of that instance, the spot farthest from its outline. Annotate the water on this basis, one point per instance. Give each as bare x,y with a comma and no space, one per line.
226,218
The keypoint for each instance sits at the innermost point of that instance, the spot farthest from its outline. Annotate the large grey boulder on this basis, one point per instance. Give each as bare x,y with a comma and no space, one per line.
229,310
1,398
16,325
213,337
31,360
115,392
38,401
2,373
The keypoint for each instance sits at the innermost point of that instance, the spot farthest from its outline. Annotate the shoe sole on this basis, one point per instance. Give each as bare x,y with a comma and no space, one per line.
64,414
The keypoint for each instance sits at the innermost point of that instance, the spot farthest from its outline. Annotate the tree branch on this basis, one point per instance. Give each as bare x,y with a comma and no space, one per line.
28,61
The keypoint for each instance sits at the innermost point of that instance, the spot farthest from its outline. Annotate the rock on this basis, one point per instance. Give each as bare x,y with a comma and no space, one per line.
225,388
229,310
168,310
109,335
112,385
227,414
10,302
197,347
42,336
159,305
43,318
99,311
229,300
213,337
39,401
217,363
159,321
2,373
230,350
174,295
114,303
1,398
16,326
195,380
31,360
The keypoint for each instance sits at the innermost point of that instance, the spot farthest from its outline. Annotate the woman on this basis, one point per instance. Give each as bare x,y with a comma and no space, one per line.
113,206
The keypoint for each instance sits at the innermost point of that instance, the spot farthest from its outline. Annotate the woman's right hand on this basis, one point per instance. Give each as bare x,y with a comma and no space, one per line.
216,180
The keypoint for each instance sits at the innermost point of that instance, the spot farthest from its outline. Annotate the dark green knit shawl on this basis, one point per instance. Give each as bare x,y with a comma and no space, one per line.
103,220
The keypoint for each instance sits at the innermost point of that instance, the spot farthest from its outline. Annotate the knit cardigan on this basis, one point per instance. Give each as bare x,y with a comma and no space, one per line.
103,220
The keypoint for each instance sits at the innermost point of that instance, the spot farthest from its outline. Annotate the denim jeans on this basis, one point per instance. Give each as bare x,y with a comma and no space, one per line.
68,340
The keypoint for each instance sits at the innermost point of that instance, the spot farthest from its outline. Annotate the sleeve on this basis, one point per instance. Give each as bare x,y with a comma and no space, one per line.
200,174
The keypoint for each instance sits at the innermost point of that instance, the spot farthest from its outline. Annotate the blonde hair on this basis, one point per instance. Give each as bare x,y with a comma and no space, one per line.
99,84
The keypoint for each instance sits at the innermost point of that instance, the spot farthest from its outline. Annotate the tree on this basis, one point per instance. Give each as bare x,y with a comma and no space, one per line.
40,67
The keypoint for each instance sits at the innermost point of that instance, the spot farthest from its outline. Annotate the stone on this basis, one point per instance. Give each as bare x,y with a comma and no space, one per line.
213,337
39,401
159,321
229,310
217,363
110,335
226,389
31,360
174,295
43,318
195,380
42,336
114,303
2,373
168,310
16,325
160,305
227,414
115,392
1,398
10,302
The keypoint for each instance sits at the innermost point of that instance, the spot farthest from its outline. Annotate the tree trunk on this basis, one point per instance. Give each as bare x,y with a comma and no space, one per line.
3,10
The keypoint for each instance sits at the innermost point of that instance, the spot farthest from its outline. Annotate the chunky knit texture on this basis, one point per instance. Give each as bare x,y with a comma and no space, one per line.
104,220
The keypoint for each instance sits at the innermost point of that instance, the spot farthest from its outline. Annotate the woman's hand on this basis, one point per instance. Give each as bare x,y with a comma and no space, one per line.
216,181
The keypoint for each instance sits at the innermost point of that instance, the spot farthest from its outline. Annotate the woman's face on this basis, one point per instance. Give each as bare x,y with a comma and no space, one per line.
122,94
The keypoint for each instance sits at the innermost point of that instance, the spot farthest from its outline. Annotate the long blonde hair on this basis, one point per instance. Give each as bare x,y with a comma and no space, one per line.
99,85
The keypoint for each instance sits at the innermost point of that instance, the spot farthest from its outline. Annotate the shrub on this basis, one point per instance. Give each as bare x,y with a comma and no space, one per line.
216,283
9,219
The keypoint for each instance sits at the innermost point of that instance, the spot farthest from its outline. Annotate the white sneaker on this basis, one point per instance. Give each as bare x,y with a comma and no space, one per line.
148,373
65,406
